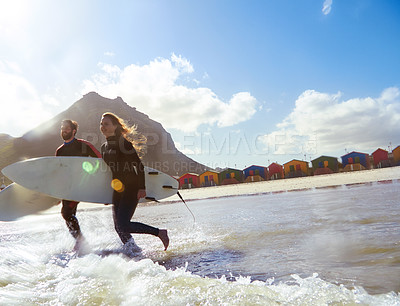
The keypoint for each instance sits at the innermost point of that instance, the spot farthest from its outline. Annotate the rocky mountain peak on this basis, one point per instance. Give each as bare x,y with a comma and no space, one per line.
45,138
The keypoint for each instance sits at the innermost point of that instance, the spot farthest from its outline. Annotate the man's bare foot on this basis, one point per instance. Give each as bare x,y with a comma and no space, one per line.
81,246
163,235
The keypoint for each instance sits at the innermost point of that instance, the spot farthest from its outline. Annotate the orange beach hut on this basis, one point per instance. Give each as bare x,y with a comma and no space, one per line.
396,156
295,168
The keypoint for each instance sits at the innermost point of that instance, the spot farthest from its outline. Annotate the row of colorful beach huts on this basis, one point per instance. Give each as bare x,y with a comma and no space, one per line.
295,168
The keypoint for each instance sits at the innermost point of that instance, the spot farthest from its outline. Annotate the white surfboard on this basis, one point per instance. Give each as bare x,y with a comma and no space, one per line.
17,201
83,179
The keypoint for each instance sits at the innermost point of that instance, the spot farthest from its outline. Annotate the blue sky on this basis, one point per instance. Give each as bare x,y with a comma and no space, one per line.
236,83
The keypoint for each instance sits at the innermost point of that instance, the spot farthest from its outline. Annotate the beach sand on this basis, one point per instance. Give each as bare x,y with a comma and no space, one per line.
384,175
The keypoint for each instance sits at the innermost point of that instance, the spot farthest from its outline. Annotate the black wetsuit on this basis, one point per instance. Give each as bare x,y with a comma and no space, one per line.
76,147
125,164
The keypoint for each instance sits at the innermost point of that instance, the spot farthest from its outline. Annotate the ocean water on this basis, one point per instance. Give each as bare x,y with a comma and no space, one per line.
329,246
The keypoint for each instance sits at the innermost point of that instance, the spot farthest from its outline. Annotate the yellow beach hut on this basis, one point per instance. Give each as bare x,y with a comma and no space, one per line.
396,156
209,178
295,168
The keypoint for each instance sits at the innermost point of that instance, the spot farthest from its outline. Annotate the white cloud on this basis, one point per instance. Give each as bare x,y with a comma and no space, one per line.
182,63
322,123
390,94
188,149
155,90
327,7
21,106
109,53
242,105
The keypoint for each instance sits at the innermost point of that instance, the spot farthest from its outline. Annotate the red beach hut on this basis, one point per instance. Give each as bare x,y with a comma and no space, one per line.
189,180
275,171
381,158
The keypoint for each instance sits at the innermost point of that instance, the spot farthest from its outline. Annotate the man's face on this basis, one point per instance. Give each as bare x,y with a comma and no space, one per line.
67,133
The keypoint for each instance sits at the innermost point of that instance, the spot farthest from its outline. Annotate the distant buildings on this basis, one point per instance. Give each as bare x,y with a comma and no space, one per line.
381,158
189,180
275,172
355,161
230,176
295,168
325,165
396,156
209,178
255,174
352,161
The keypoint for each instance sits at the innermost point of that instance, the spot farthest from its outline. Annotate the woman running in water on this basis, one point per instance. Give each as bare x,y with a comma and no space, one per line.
128,178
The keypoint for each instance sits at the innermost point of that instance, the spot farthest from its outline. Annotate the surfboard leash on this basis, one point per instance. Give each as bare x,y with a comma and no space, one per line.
194,218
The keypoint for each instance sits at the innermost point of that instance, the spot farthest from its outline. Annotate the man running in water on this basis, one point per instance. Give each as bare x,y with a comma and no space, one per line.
73,147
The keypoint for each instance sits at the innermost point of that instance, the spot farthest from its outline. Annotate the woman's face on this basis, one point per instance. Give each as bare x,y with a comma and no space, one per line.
107,128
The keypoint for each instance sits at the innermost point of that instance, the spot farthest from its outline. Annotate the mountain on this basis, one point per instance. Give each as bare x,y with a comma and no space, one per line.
44,139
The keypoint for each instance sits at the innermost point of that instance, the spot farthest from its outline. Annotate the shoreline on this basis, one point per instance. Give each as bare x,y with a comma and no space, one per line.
383,175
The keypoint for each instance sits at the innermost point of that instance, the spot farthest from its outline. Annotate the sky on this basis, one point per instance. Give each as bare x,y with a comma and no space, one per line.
235,82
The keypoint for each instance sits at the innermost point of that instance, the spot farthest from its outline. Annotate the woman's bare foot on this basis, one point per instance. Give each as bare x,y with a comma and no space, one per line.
163,235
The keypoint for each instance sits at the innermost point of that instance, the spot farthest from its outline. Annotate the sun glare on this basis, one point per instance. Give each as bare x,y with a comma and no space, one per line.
117,185
89,167
13,15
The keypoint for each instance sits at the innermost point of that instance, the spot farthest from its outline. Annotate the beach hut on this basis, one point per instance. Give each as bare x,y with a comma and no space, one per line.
189,180
396,156
255,173
355,161
381,158
208,178
325,165
275,171
230,176
296,168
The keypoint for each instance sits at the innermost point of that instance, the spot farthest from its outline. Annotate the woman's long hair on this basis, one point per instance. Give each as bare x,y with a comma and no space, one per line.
130,133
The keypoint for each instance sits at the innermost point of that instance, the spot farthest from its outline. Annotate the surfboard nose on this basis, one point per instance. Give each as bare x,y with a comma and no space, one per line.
9,170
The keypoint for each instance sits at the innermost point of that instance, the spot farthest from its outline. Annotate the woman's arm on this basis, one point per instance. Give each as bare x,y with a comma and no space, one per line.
133,159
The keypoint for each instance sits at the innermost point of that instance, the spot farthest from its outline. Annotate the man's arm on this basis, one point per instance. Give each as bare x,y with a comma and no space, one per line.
89,150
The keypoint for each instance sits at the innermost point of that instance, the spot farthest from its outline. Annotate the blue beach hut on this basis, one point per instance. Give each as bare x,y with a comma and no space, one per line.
355,161
255,173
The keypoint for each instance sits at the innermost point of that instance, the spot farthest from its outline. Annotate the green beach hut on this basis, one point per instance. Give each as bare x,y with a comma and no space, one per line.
325,165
